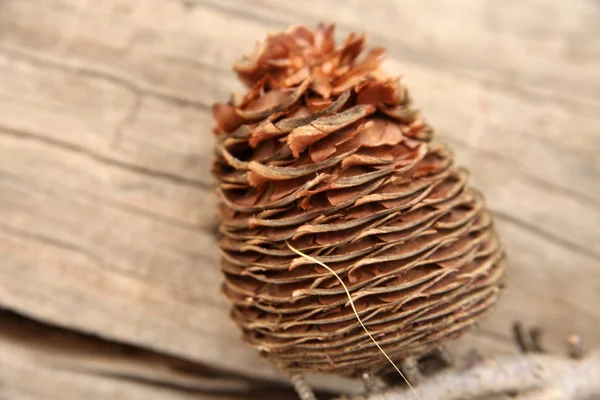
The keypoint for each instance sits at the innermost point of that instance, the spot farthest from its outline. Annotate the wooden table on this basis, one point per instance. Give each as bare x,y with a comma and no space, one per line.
106,227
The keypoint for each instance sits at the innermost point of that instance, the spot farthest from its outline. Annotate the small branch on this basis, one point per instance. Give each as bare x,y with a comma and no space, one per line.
301,386
531,376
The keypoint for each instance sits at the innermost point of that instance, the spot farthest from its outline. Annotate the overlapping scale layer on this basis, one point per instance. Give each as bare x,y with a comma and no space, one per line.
325,152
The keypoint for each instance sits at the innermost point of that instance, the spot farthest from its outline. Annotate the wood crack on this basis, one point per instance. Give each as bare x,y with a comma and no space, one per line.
172,178
154,216
550,237
54,242
134,87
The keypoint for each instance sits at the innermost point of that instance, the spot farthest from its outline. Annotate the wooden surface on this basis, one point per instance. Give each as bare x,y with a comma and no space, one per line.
106,223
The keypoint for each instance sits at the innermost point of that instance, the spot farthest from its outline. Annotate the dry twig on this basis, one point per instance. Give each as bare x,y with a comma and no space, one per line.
302,387
531,376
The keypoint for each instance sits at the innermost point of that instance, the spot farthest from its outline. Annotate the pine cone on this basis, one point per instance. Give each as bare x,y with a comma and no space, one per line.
324,151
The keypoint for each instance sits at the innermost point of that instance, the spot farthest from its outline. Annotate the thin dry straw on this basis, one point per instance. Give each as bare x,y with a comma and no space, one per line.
355,312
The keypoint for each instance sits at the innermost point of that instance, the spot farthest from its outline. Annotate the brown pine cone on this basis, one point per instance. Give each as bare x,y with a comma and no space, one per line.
324,151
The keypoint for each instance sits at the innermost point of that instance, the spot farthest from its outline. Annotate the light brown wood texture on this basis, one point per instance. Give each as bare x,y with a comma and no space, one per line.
106,211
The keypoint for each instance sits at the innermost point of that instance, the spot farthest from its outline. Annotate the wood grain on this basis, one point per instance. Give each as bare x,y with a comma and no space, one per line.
106,211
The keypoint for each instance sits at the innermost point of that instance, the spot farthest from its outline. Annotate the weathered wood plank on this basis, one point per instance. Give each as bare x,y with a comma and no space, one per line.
105,151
